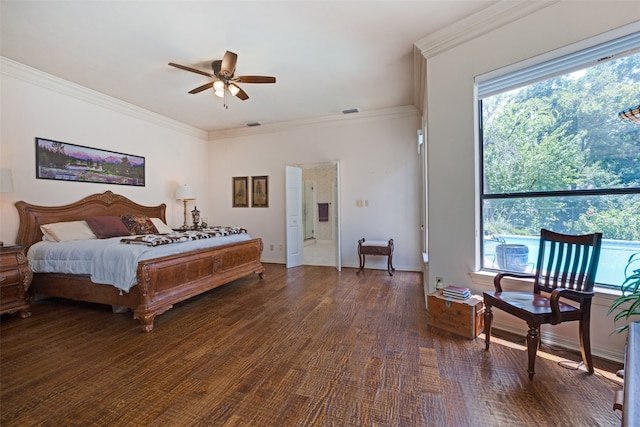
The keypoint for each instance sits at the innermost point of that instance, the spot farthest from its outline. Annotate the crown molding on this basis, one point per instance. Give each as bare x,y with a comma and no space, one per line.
395,112
419,80
31,75
495,16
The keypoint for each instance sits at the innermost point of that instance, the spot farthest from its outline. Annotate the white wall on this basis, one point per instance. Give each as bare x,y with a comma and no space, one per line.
377,154
39,105
378,162
452,165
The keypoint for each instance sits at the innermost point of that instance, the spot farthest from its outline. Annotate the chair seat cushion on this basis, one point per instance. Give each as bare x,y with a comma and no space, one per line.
376,243
527,301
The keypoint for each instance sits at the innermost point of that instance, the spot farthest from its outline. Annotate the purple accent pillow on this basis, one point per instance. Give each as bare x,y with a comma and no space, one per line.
105,227
138,224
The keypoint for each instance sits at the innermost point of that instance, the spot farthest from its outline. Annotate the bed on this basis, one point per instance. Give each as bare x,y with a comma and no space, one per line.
159,282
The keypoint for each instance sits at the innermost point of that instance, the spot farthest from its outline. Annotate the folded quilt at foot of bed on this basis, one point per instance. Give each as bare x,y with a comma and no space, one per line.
182,236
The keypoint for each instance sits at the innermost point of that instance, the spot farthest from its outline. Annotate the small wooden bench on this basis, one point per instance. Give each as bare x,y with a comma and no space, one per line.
376,247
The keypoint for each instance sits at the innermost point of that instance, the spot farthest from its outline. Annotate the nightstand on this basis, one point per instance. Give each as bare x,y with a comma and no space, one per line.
15,278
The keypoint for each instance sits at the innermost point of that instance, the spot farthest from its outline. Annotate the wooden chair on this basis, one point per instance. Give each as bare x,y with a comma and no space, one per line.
566,268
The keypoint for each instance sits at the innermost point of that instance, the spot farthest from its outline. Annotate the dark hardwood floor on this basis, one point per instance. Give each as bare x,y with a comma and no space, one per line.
308,346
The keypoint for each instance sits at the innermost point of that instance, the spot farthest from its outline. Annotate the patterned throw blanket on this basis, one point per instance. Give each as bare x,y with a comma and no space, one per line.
182,236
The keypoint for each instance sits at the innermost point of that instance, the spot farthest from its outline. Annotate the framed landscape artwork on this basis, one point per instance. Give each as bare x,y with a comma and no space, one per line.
69,162
259,191
240,192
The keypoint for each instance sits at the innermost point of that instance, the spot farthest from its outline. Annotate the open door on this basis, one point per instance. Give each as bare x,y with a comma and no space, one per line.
295,231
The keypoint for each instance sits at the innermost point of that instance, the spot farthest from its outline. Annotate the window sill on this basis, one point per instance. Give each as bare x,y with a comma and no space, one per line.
483,280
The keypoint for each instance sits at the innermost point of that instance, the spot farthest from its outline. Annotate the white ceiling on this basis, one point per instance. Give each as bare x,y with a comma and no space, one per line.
326,55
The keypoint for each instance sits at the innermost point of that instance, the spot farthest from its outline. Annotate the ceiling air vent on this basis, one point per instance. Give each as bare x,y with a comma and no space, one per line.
253,124
351,110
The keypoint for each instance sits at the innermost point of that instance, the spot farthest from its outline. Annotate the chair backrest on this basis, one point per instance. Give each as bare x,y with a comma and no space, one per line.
567,261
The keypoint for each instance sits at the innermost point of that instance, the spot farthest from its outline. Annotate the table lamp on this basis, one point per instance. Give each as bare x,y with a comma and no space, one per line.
185,193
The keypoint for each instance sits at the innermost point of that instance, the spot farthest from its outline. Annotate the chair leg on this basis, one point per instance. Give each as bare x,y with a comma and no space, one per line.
488,318
585,344
533,342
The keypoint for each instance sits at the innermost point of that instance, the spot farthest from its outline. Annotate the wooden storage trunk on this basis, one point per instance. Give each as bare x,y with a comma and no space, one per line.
461,317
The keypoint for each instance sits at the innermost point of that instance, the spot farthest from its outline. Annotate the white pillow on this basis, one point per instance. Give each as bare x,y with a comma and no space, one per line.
161,226
65,231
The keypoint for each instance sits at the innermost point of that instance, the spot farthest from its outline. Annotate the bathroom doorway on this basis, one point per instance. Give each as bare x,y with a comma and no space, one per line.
320,215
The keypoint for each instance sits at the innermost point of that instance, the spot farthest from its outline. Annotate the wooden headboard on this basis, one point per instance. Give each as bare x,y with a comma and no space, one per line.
107,203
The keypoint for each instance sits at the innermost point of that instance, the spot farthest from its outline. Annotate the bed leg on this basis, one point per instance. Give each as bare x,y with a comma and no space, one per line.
146,320
147,316
147,328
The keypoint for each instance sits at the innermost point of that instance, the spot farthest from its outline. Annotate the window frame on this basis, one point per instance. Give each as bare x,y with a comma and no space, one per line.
620,42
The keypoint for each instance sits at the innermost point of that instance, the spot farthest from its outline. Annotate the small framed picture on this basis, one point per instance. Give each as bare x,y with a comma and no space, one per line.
240,191
259,191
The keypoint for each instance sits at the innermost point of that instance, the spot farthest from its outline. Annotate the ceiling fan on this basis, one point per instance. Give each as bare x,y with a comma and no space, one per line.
224,79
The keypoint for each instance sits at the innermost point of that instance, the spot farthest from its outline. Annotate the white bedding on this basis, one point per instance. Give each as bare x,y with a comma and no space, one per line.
108,261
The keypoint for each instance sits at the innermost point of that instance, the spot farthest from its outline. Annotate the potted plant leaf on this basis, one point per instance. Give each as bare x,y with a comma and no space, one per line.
629,300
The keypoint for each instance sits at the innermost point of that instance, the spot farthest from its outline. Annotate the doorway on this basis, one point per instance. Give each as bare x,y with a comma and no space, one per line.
320,216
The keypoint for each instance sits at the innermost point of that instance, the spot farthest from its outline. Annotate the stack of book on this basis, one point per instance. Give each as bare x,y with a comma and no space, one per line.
456,292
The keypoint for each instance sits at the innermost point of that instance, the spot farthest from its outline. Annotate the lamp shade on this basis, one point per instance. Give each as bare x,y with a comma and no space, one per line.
185,192
6,181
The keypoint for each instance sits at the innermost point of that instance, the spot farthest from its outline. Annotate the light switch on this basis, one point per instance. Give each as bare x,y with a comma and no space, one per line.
359,203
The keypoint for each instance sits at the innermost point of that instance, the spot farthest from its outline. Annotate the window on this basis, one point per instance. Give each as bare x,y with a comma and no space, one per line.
555,155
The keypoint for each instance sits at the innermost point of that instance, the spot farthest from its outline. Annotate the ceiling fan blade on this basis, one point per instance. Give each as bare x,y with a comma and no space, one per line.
254,79
193,70
242,94
228,66
201,88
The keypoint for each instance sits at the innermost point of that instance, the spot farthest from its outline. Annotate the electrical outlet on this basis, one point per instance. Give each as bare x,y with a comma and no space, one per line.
280,247
439,282
271,247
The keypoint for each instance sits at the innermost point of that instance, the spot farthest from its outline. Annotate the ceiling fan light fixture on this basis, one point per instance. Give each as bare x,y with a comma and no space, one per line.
233,89
218,85
223,80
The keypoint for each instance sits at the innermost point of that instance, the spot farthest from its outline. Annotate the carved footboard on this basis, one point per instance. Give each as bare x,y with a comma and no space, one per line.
165,281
